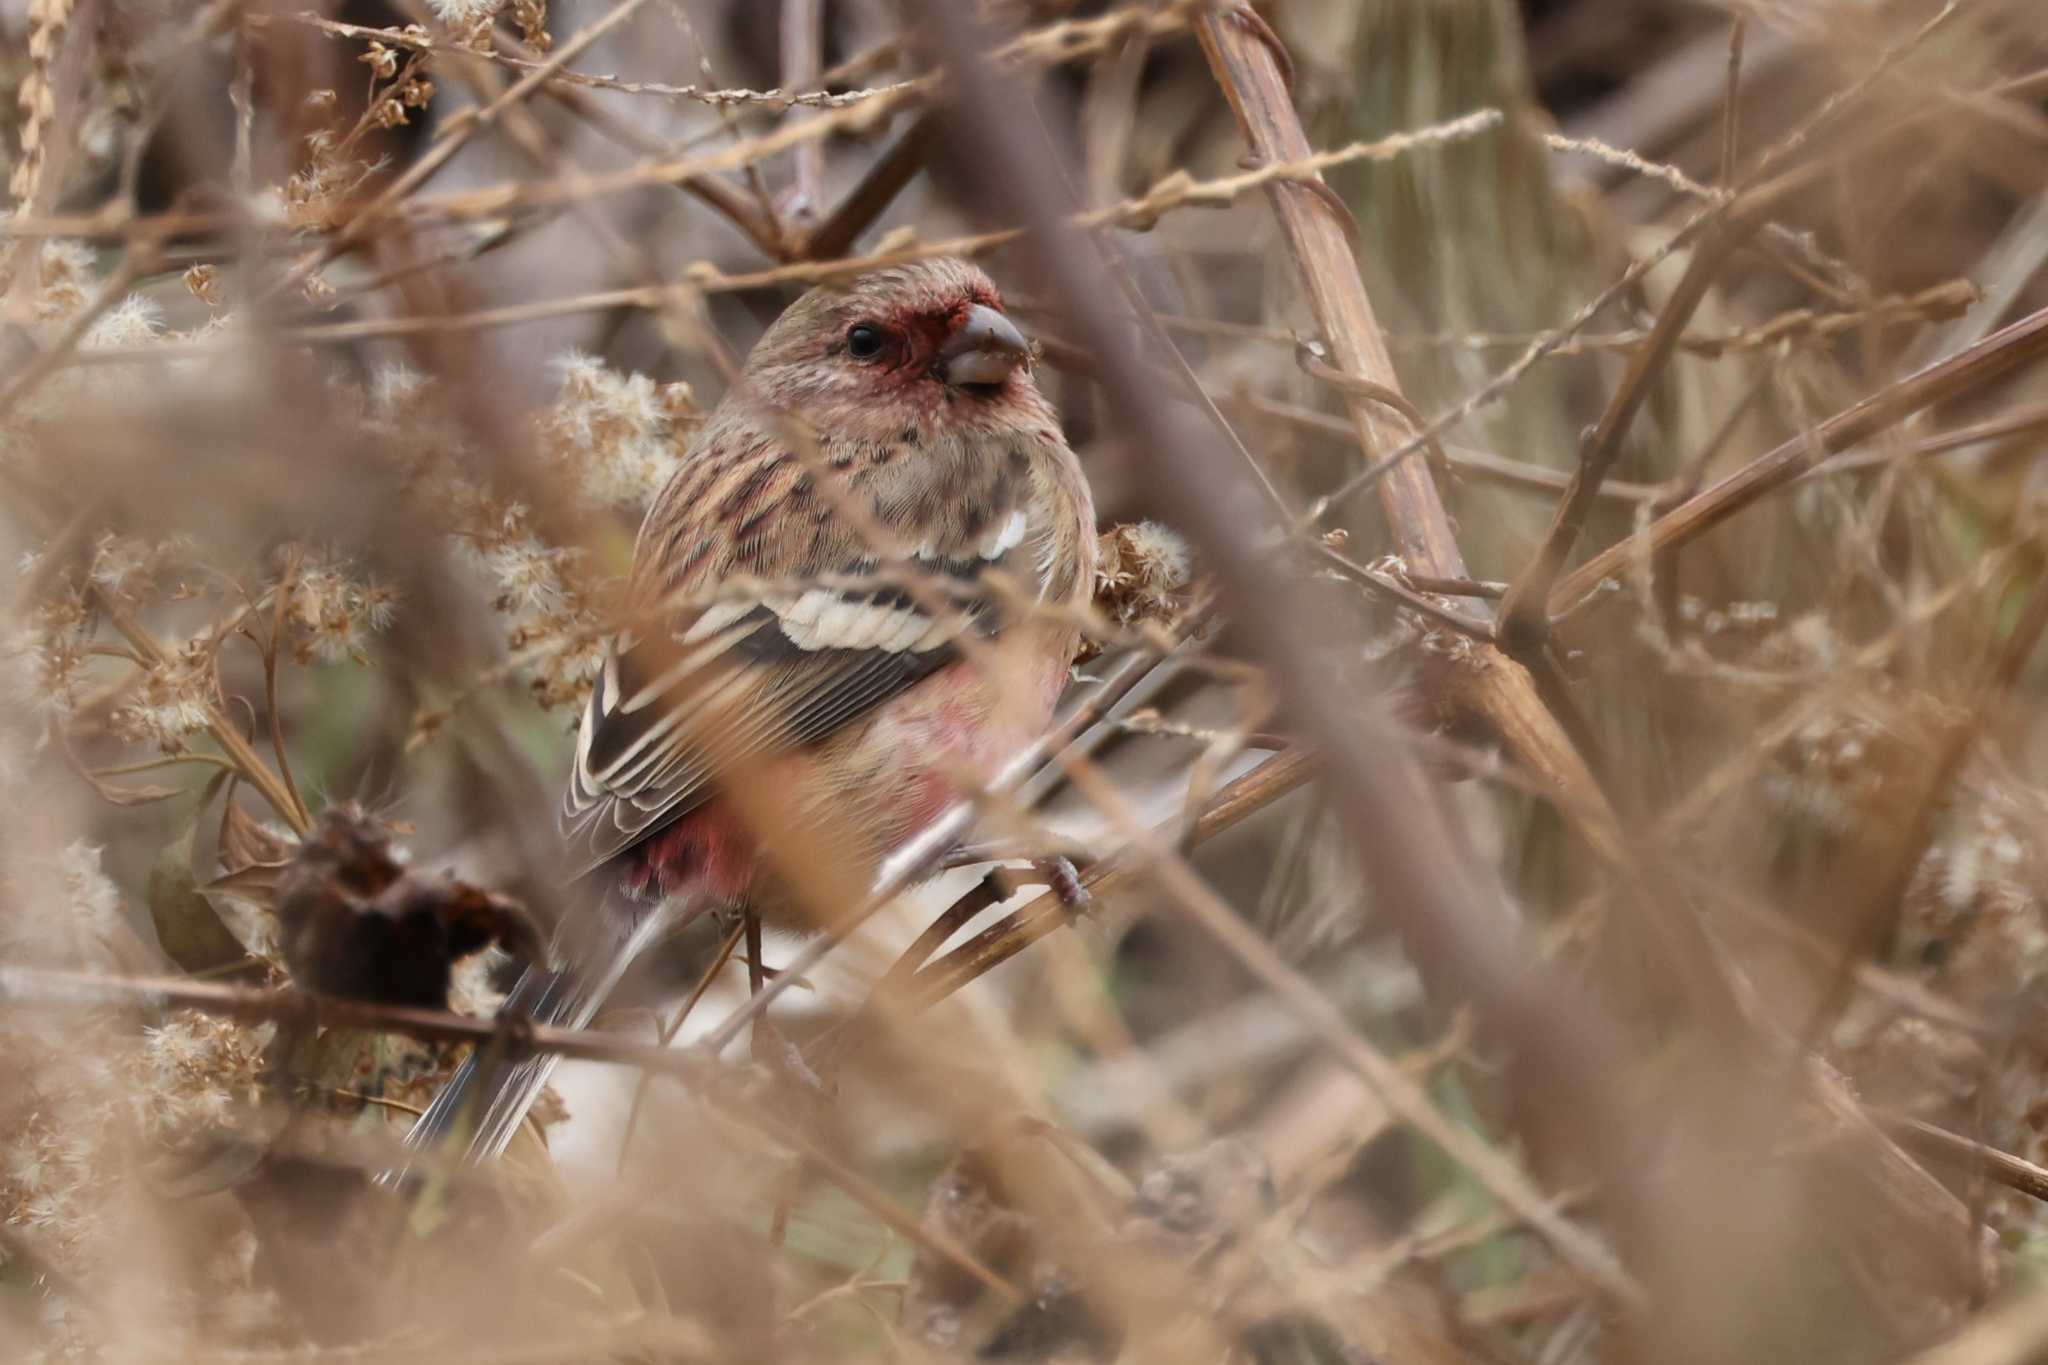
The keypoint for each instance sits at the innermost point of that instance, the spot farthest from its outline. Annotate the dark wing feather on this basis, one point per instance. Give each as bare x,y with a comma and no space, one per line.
753,678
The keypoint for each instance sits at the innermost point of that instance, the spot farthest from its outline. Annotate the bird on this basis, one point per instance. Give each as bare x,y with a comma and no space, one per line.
851,602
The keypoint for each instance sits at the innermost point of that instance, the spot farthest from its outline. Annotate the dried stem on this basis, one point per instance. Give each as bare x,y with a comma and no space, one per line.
803,42
1968,370
1495,690
1524,628
2015,1173
874,192
53,989
1731,98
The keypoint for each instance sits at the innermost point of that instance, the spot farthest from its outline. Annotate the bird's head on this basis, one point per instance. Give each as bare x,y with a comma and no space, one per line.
911,344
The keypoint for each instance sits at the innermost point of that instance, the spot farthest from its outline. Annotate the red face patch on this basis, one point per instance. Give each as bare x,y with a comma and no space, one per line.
914,335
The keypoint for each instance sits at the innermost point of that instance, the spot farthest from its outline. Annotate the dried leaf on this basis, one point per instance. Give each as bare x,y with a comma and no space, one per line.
187,924
244,842
256,882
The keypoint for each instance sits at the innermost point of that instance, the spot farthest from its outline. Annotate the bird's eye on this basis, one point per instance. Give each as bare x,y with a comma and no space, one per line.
864,341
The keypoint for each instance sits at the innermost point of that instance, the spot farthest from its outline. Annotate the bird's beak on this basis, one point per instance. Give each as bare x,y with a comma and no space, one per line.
984,349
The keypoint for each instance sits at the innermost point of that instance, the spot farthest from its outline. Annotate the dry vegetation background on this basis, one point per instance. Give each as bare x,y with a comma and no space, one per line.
1570,865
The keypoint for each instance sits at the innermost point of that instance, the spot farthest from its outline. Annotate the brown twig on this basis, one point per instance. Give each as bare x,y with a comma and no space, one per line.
1408,595
1969,369
720,195
1524,627
2015,1173
992,890
52,988
667,1032
2019,422
1939,302
1495,690
49,988
507,51
873,193
803,43
1462,460
1731,99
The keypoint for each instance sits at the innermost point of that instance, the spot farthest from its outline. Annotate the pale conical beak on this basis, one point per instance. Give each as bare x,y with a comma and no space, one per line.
985,349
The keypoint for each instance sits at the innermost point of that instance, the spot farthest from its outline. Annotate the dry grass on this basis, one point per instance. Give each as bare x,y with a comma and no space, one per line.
1570,871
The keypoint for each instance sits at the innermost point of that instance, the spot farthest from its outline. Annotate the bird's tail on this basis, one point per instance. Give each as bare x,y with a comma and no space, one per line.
490,1094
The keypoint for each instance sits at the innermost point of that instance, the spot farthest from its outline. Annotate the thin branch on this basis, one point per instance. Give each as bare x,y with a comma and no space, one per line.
1970,369
1524,615
719,194
1464,460
51,988
770,101
1731,99
2020,422
168,761
1936,303
873,193
1404,595
803,45
2015,1173
668,1031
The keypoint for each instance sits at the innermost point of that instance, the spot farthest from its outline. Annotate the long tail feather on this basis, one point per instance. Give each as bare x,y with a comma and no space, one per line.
489,1096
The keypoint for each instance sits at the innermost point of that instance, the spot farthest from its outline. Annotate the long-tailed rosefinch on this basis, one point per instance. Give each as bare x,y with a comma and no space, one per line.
812,671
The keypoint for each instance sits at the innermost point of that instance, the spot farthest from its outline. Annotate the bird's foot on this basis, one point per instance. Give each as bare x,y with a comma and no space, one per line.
1013,850
1064,881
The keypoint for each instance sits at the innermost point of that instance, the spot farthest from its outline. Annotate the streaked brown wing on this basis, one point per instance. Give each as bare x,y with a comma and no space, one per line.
732,682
